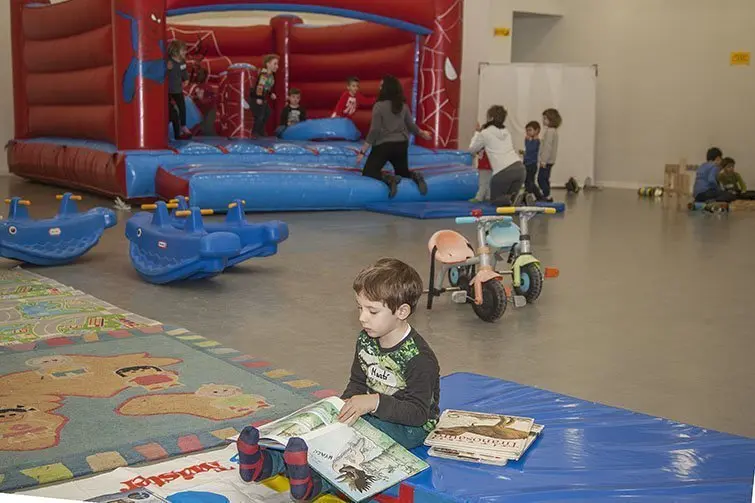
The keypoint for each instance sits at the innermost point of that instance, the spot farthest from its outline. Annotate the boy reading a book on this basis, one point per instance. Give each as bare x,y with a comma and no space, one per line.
394,383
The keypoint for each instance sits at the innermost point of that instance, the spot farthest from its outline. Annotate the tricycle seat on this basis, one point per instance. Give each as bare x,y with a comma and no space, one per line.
451,247
503,234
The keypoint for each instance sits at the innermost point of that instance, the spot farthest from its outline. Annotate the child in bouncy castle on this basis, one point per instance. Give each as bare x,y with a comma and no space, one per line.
351,100
177,75
548,151
206,100
262,91
293,113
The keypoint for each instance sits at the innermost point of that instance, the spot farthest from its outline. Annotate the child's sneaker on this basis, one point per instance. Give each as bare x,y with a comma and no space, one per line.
530,199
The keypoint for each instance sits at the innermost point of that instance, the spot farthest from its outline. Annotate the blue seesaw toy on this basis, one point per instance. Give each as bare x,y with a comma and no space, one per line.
53,241
257,240
162,253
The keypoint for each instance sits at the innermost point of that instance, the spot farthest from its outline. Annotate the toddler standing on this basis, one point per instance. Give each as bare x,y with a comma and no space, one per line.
548,151
177,75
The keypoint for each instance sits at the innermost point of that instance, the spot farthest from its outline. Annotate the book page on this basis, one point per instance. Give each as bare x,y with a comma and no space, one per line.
361,461
301,423
478,432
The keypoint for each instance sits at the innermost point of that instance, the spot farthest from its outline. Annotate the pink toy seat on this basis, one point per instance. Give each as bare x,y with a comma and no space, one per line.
452,247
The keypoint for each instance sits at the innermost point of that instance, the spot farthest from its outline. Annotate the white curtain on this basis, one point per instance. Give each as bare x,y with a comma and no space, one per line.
526,90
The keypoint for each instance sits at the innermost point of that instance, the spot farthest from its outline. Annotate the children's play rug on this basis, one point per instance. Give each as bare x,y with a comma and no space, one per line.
78,401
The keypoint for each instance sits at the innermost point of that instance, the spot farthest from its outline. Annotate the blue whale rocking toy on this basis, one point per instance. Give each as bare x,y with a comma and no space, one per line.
52,241
257,239
162,253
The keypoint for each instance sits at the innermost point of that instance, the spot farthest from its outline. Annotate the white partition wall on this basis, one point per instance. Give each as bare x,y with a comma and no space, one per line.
528,89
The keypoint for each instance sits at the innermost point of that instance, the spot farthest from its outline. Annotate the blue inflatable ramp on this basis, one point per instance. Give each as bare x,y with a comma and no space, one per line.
587,452
443,209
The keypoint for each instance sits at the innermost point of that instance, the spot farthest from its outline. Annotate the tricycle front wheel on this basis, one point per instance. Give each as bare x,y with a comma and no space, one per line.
493,302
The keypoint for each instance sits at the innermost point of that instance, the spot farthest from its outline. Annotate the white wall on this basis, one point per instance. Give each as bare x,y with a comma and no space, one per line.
480,45
665,88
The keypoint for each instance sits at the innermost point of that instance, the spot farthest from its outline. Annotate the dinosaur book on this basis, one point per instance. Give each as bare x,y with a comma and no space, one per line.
359,460
475,436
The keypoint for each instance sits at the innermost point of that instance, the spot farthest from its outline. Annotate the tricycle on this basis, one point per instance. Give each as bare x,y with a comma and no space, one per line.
472,273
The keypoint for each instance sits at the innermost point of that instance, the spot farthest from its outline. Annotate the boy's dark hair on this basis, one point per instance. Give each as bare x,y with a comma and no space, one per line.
269,58
175,46
294,92
534,125
497,116
128,370
554,118
391,282
713,154
728,161
352,79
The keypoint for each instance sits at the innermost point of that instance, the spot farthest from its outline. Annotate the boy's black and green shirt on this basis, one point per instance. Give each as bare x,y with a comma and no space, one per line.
407,377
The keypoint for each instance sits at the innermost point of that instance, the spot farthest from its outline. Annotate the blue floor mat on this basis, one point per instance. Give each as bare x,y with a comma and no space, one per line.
587,452
441,209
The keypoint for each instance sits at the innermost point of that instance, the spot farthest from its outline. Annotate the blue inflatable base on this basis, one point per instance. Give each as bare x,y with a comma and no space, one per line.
445,209
587,452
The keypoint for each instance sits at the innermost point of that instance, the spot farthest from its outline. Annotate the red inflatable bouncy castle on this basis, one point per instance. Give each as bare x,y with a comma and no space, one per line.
107,58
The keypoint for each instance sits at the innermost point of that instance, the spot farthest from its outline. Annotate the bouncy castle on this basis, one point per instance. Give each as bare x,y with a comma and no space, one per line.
91,104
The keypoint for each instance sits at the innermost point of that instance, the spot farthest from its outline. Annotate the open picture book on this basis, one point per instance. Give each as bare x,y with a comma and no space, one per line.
482,438
359,460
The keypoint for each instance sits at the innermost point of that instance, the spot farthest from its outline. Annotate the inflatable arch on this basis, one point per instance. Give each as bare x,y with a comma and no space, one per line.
93,71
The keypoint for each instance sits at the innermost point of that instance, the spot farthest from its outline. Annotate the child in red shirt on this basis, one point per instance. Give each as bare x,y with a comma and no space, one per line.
206,99
485,174
351,100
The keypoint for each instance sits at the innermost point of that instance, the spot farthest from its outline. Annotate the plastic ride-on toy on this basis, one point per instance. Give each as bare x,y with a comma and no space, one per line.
472,274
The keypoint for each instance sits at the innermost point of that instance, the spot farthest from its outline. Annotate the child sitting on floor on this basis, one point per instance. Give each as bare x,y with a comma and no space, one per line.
351,100
398,395
293,113
731,181
706,179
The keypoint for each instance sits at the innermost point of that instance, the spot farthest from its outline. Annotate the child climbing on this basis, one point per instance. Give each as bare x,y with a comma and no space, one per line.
392,123
351,100
548,151
262,91
206,99
731,181
404,407
508,172
177,75
531,153
293,113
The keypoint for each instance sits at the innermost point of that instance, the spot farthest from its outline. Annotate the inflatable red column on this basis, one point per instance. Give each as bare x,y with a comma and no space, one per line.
20,100
281,31
234,112
439,91
141,110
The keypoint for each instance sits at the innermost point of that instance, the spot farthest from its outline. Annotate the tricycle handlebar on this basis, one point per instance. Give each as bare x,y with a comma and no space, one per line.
511,210
474,220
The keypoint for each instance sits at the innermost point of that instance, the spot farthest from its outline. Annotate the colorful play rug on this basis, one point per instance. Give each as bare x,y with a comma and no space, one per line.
33,308
83,401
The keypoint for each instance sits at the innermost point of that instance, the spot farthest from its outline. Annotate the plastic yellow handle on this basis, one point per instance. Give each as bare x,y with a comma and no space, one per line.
59,197
550,211
509,210
170,206
186,213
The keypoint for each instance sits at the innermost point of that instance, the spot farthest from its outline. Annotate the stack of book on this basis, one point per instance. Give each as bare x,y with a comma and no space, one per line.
492,439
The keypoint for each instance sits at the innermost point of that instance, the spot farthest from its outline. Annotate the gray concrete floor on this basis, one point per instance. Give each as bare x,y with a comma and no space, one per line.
652,312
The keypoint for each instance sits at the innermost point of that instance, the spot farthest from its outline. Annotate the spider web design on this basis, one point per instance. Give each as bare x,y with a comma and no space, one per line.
439,111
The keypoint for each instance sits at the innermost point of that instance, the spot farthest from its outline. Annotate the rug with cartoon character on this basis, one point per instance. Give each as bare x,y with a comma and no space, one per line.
70,406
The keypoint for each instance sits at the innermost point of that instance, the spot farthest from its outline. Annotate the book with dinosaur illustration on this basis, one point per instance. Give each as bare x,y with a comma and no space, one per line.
482,437
359,460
